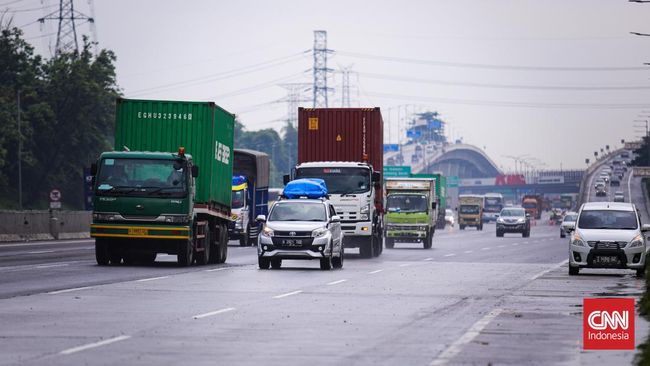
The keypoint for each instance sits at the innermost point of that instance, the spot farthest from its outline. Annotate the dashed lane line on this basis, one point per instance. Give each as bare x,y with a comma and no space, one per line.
428,259
336,282
449,255
105,342
216,269
468,251
69,290
287,294
465,339
486,248
376,271
52,265
221,311
151,279
405,264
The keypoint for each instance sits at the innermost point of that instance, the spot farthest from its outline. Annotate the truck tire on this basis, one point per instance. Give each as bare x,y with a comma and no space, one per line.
276,263
379,245
185,255
101,252
390,243
214,247
480,227
222,245
366,249
462,227
115,253
428,241
263,263
203,258
243,241
250,239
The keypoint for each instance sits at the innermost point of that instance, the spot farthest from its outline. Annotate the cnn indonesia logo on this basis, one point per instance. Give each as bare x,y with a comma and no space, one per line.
608,323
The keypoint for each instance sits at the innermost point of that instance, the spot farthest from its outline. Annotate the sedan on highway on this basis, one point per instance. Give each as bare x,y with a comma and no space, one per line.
569,220
607,235
513,220
619,196
301,229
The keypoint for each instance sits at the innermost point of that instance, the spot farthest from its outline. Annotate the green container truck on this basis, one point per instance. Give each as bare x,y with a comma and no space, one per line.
167,186
441,195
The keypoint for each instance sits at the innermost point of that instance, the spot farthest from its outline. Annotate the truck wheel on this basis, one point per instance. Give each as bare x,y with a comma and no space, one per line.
250,240
428,240
242,241
222,245
480,227
462,227
640,273
115,254
203,258
185,255
326,263
101,252
390,243
379,246
562,234
276,263
366,249
263,263
147,257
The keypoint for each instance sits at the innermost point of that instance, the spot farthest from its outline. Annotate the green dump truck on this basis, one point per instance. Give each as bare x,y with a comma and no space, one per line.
441,195
167,186
411,210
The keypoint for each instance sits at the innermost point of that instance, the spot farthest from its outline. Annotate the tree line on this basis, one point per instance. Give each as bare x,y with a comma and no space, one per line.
60,114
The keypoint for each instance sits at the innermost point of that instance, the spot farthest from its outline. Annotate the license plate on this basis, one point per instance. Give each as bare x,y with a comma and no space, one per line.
607,260
292,242
138,231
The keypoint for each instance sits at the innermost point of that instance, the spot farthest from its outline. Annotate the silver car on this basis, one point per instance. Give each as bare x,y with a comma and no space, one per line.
607,235
568,221
619,196
301,229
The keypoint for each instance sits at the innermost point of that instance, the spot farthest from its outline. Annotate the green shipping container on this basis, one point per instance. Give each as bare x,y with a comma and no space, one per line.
204,129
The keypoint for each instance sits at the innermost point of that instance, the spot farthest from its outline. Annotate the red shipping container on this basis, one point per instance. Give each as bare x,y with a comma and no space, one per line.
342,134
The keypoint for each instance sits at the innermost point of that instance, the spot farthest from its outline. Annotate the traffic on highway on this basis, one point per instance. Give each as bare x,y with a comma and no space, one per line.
164,224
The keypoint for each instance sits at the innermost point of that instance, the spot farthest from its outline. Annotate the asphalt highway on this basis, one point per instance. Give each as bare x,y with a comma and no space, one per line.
473,299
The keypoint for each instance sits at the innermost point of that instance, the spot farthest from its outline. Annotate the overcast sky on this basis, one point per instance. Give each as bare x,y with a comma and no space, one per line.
553,79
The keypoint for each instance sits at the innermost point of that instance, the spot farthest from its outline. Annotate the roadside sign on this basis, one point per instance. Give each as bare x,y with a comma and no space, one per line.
55,204
453,181
391,148
641,171
55,195
397,171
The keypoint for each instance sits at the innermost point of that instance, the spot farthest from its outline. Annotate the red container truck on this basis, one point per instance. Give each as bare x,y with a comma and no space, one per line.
344,146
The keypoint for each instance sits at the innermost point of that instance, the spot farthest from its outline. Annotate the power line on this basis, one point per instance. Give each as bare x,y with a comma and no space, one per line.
67,16
257,87
492,103
487,66
225,74
503,86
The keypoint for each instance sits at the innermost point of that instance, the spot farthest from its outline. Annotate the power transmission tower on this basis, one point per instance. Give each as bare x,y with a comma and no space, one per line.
345,86
320,69
69,18
294,98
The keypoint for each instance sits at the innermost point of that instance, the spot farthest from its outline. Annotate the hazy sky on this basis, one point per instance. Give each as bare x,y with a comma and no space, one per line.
552,79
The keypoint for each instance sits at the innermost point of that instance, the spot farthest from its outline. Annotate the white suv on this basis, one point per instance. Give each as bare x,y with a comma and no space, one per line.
607,235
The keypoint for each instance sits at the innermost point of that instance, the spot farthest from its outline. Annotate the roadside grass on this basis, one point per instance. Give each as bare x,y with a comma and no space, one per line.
643,357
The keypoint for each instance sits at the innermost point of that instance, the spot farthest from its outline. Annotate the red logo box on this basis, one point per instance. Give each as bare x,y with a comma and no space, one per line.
608,323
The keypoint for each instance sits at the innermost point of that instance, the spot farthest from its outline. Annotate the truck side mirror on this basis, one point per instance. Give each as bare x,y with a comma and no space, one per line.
195,171
93,169
285,179
434,205
376,177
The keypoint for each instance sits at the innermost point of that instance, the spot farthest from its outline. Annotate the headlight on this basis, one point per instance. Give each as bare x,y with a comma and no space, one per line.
319,232
577,241
521,221
104,216
267,231
365,210
637,241
499,221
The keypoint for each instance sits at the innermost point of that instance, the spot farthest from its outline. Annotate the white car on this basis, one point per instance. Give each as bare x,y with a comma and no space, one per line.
568,220
619,196
607,235
449,217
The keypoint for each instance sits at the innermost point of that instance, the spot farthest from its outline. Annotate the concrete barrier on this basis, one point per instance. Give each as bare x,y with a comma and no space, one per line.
44,225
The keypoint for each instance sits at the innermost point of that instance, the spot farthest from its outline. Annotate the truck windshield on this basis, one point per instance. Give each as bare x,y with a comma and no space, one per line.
529,205
407,203
340,180
493,204
298,211
607,219
238,199
142,177
470,209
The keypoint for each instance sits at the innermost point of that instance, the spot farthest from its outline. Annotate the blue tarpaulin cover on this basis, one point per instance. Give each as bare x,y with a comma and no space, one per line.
308,187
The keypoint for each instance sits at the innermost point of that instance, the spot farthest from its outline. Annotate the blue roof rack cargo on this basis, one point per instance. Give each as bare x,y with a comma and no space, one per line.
308,187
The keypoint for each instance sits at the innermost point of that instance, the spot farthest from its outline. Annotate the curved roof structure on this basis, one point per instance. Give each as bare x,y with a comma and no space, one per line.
464,161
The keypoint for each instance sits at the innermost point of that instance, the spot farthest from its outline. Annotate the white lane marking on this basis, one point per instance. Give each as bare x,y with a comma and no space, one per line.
468,251
486,248
41,251
455,348
205,315
69,290
501,246
94,345
51,265
215,269
526,242
32,244
376,271
405,264
515,244
540,274
287,294
152,279
428,259
449,255
336,282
